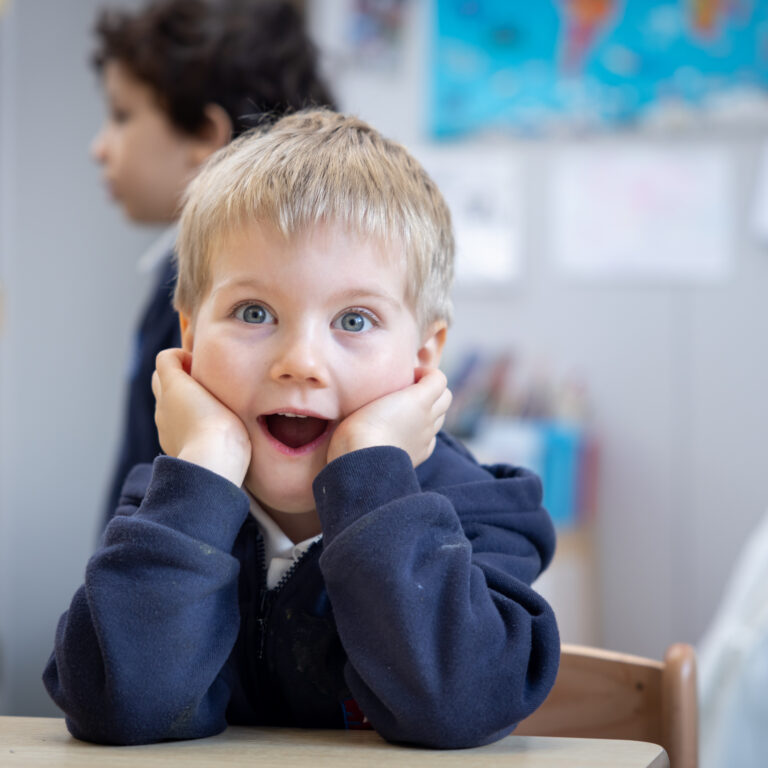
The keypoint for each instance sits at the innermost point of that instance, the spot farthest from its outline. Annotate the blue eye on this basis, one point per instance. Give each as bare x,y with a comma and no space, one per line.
353,322
255,314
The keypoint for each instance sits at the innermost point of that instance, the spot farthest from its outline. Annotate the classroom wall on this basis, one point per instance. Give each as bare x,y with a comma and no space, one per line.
68,269
677,375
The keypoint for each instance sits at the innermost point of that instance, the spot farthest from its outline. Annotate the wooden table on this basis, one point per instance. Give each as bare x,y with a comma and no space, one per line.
42,741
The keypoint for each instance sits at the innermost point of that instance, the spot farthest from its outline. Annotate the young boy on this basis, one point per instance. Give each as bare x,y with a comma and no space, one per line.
182,77
312,551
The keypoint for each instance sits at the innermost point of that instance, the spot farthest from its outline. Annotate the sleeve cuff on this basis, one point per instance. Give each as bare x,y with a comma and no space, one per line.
359,482
194,501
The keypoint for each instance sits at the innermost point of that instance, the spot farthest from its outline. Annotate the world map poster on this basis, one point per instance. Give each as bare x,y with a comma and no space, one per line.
534,66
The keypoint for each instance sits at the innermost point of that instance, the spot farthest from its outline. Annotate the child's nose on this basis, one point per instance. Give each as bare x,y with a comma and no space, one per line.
300,360
99,147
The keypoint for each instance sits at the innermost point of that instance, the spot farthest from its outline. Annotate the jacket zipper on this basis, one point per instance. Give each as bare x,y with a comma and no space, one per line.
268,596
261,620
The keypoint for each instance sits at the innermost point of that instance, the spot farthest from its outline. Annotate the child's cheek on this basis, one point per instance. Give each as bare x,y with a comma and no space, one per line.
379,381
214,366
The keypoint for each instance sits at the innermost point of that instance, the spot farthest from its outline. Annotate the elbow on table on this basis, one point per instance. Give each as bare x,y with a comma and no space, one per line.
476,709
444,728
140,720
131,733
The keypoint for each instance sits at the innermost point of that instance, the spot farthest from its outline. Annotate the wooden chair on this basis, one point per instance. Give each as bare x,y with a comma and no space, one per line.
602,694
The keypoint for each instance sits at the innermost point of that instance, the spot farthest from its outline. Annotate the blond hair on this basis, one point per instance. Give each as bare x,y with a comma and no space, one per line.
316,167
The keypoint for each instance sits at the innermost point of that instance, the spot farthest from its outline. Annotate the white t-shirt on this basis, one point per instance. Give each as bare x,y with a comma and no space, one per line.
281,553
158,250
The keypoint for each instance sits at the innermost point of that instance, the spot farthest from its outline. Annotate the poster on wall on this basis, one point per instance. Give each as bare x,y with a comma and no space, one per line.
376,32
554,64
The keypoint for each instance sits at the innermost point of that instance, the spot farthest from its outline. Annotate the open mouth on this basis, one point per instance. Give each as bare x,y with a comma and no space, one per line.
294,430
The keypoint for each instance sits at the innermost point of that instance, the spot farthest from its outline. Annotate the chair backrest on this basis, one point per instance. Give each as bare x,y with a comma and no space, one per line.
602,694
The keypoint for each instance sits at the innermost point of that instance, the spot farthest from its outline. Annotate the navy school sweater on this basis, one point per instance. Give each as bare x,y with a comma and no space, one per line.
158,329
413,614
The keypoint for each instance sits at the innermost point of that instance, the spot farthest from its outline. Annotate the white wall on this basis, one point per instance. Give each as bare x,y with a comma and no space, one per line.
7,74
677,376
72,291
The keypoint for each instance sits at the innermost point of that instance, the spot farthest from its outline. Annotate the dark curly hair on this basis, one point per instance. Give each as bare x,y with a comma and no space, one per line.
251,57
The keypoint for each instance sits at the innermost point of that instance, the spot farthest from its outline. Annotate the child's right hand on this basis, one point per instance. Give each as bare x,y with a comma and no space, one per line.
194,425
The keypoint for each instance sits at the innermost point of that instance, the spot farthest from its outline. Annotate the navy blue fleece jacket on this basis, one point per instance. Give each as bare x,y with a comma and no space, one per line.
158,329
414,613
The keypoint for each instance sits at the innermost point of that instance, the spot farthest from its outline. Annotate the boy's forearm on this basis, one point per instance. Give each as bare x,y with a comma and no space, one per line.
448,619
138,655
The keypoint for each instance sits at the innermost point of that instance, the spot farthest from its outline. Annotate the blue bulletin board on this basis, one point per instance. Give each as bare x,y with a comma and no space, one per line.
531,66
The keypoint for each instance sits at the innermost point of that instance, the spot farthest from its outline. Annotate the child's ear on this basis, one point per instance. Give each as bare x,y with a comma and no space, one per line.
187,332
431,349
215,133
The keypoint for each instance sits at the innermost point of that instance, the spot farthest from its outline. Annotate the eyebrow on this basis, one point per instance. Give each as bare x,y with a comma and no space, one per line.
243,282
349,295
360,294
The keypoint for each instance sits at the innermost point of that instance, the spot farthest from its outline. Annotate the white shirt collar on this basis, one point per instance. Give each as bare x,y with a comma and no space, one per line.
280,552
158,249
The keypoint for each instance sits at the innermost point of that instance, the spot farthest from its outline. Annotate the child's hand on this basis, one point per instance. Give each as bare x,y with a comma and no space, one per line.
408,419
192,424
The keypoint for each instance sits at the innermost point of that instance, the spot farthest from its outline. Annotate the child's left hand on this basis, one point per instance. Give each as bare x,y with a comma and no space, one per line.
408,419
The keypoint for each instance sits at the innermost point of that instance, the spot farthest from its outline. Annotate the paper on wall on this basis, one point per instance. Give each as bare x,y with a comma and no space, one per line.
643,212
482,189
